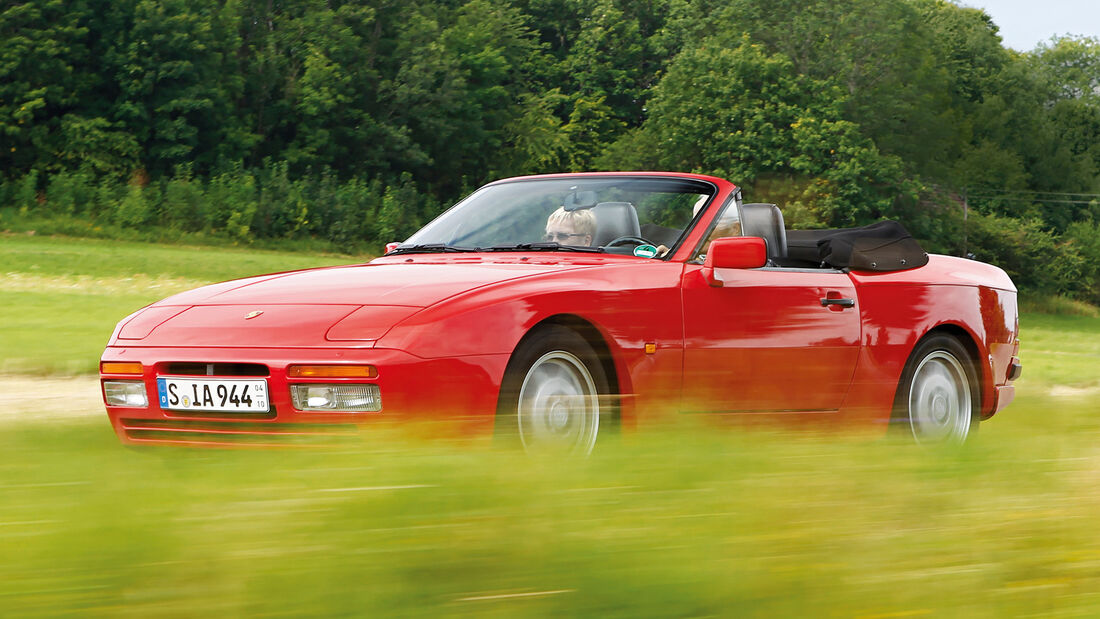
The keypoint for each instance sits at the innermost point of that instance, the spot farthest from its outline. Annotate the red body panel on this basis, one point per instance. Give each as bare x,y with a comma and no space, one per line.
899,308
441,329
763,342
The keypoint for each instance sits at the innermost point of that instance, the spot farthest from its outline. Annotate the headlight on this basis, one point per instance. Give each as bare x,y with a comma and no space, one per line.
129,393
336,398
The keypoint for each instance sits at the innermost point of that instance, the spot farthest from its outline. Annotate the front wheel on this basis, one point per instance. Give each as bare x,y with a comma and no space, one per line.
938,400
554,393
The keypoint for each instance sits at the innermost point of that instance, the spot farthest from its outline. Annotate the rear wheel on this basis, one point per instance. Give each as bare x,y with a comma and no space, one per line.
938,399
554,393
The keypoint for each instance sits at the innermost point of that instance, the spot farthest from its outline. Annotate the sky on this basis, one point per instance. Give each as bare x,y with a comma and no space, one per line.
1026,23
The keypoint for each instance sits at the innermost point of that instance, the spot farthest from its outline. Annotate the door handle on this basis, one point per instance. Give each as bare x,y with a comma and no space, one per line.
841,302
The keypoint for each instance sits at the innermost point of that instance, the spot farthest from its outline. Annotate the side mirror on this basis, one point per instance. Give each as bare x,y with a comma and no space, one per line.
739,252
392,246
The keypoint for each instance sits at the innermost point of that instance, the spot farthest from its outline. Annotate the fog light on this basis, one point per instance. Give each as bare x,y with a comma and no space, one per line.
343,398
129,393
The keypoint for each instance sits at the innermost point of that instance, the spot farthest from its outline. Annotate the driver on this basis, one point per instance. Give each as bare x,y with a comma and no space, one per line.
571,227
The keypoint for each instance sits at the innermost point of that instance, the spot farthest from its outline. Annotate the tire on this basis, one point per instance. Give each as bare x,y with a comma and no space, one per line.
938,399
554,394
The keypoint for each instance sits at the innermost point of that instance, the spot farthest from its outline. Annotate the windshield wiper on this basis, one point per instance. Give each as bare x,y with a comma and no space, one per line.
547,246
430,248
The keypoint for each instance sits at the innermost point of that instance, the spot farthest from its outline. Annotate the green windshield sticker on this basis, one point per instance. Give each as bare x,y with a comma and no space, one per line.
645,251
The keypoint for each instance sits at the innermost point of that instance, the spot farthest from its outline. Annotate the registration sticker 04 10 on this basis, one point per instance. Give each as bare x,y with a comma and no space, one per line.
213,394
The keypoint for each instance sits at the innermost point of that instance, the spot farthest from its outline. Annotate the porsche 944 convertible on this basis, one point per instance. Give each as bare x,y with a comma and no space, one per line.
554,310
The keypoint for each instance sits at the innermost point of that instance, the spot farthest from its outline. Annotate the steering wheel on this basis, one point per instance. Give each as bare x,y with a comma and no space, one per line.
623,240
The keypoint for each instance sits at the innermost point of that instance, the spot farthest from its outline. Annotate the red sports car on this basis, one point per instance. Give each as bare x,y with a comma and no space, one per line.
557,309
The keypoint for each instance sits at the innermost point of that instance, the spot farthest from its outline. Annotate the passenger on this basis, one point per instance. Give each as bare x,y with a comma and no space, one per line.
571,227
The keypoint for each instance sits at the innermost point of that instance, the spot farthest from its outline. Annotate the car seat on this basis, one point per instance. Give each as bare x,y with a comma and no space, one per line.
766,222
615,219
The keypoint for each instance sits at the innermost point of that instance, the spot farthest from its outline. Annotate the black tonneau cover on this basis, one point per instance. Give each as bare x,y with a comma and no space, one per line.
882,246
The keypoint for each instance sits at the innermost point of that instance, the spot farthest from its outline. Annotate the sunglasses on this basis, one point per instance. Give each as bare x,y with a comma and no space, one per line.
561,236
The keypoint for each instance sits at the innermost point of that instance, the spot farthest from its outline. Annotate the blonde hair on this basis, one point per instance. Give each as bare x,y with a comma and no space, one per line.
583,221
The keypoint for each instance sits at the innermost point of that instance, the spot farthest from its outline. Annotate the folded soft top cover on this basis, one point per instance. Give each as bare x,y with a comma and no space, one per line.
882,246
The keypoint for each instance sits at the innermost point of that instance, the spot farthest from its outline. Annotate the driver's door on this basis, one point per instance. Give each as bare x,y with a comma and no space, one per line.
764,342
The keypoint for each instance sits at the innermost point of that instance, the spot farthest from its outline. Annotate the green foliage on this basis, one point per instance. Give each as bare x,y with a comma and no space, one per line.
138,204
352,123
234,202
96,145
25,193
70,193
1083,238
42,42
742,113
178,89
1035,258
238,205
184,206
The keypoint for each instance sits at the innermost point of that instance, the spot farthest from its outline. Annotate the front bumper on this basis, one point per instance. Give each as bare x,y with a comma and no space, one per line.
455,389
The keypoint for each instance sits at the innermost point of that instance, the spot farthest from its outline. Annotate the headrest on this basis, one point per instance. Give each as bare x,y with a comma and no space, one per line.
615,219
766,222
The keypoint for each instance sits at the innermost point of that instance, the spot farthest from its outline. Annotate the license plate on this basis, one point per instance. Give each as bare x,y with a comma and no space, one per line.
213,394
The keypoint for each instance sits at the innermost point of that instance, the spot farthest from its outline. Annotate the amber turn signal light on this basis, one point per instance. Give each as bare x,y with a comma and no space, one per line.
114,367
332,371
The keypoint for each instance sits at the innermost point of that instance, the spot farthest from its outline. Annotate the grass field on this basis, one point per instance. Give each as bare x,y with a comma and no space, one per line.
67,294
684,522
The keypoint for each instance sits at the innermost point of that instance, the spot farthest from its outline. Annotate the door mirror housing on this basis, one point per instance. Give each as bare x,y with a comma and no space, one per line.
739,252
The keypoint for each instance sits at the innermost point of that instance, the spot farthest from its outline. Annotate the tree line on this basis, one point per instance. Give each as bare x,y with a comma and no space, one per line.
355,122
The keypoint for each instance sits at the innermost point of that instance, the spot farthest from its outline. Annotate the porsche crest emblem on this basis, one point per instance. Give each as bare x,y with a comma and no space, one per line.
253,314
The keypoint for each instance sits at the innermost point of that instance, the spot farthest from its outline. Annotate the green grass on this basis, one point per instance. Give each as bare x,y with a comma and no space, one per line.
685,522
1061,350
95,258
680,521
65,295
14,221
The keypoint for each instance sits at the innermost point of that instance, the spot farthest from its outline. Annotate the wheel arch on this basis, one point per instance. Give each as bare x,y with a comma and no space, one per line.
591,334
969,343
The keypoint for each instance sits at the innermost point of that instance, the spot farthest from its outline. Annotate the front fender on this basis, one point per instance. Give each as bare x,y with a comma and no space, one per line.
630,304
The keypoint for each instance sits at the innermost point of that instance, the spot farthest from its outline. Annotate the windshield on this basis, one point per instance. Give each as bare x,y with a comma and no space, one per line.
643,216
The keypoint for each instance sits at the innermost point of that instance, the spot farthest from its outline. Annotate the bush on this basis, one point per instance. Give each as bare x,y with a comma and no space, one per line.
108,194
1035,258
232,200
139,203
25,195
1084,238
403,211
70,193
184,205
354,206
282,208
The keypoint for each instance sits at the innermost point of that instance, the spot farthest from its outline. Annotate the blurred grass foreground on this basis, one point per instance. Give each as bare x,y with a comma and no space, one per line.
682,523
685,521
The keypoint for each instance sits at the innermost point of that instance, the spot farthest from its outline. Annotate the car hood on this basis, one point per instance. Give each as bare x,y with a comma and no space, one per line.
334,306
410,284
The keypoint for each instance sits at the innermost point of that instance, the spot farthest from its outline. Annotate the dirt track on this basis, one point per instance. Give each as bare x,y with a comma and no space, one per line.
50,398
